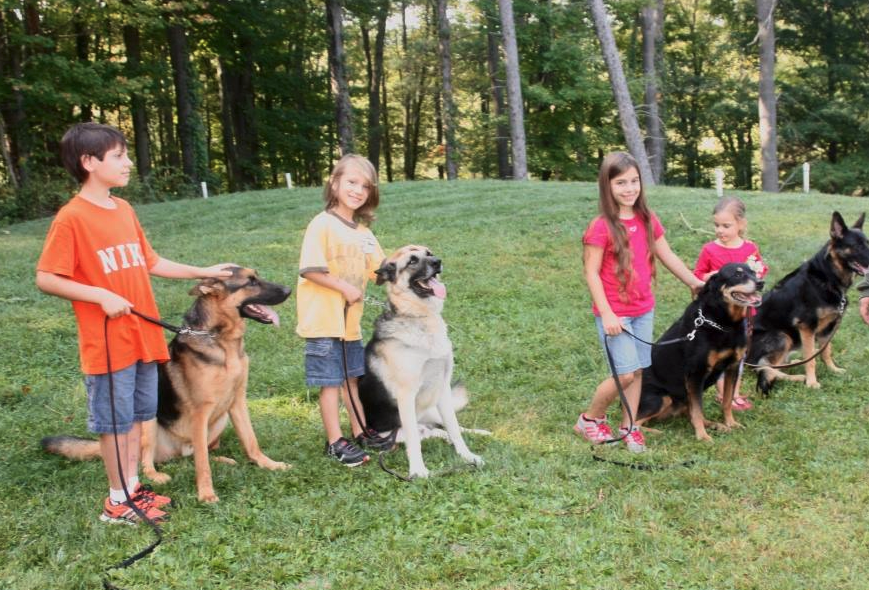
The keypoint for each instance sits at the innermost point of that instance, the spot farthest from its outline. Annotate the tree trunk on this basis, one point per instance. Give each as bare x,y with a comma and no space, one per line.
138,110
627,114
340,88
653,36
387,138
514,90
374,71
496,89
184,103
12,105
82,52
766,98
449,109
230,158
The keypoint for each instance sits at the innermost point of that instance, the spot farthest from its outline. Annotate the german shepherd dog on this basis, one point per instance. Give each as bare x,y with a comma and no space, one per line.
204,384
715,326
409,359
808,304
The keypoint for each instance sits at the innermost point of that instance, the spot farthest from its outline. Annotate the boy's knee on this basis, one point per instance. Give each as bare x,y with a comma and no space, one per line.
627,379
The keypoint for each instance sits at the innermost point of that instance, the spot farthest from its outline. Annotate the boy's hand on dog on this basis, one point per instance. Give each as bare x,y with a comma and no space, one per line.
114,305
219,271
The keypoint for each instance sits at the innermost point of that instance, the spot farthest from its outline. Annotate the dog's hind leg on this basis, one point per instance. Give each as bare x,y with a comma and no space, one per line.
240,416
731,375
695,409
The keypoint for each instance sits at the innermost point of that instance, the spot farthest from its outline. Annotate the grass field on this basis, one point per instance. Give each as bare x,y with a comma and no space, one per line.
780,504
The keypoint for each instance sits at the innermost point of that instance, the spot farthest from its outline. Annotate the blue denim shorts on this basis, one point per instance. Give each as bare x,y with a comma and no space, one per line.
135,393
629,355
324,364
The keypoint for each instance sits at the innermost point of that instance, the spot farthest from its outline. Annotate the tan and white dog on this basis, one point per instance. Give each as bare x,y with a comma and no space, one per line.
409,359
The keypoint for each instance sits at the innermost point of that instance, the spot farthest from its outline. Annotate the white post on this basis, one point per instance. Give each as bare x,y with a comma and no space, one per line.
805,177
719,182
204,190
289,178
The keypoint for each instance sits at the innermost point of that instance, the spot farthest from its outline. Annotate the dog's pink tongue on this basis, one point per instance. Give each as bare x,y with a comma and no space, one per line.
440,290
270,314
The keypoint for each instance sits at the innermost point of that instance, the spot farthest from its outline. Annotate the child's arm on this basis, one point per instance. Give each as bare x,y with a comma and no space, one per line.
169,269
350,293
675,265
592,261
703,268
113,304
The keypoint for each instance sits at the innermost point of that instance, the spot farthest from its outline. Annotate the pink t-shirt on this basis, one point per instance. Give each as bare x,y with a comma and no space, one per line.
713,256
640,298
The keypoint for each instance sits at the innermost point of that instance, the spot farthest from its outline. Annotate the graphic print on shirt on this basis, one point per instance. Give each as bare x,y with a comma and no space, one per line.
129,255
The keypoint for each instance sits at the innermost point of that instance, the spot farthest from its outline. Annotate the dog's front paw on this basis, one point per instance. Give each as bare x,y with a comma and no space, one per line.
704,436
837,370
473,459
208,496
814,384
419,472
267,463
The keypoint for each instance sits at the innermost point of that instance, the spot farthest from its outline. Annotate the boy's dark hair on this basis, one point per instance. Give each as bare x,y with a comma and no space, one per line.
87,139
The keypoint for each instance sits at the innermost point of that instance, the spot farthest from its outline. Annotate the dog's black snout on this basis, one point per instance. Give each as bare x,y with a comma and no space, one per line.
435,263
759,285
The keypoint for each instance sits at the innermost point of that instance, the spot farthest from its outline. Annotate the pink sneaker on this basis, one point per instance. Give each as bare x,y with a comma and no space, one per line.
634,439
594,430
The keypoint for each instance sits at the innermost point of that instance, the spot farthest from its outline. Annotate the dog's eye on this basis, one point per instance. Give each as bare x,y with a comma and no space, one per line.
253,281
413,260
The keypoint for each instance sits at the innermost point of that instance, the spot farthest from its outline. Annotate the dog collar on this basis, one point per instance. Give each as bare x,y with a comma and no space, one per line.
699,321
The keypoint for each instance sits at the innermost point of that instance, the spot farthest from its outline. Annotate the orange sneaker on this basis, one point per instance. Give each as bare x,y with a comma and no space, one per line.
144,493
123,513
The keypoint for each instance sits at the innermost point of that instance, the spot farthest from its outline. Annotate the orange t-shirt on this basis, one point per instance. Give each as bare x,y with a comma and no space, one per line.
106,248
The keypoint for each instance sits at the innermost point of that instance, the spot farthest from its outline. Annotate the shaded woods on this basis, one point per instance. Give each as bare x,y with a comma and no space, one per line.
236,94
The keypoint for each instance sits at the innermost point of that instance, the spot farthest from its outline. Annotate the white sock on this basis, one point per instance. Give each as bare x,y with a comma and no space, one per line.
133,484
117,496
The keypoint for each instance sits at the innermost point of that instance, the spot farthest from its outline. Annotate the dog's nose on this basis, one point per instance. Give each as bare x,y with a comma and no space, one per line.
759,285
435,262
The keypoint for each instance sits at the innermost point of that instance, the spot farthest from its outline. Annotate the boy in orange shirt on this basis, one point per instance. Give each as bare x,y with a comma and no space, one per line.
97,256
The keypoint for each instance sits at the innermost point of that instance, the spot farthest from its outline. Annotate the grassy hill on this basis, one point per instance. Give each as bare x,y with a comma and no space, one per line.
779,504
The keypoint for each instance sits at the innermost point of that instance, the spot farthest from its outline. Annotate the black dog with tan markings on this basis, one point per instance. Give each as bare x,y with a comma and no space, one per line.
808,304
681,372
204,384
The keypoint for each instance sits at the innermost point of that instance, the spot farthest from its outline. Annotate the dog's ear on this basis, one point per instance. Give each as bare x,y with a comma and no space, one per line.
204,287
859,223
837,226
386,272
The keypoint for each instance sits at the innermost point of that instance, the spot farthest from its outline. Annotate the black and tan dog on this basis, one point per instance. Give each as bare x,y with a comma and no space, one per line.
681,372
808,304
204,384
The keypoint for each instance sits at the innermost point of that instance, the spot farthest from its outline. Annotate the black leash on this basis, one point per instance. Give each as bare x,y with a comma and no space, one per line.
698,322
107,585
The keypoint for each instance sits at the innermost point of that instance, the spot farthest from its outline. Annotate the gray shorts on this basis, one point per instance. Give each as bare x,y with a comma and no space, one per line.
135,393
629,355
324,361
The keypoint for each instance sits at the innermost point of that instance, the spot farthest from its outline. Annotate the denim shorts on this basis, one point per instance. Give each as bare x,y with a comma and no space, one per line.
135,393
324,361
629,355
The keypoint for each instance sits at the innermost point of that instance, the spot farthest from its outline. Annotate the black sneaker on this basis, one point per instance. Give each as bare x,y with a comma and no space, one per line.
346,452
371,439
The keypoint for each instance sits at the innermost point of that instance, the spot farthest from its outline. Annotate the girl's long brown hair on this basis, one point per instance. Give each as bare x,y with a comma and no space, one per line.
614,164
365,213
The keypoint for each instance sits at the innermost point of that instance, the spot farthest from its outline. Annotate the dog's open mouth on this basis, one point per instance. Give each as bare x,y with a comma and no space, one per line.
752,299
434,287
858,268
260,313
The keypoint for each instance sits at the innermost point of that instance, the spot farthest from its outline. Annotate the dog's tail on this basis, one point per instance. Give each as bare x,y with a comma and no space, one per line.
72,447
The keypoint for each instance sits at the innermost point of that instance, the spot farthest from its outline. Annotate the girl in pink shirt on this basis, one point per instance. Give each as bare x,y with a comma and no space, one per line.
620,247
729,245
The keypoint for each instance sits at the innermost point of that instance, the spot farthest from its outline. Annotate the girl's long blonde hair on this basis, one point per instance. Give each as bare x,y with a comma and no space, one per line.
614,164
365,213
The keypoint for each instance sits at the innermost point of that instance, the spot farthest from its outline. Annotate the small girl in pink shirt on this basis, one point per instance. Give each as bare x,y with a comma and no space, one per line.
620,247
729,245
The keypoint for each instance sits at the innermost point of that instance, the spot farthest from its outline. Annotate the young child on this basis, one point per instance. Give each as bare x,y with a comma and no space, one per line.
339,255
97,256
729,245
620,247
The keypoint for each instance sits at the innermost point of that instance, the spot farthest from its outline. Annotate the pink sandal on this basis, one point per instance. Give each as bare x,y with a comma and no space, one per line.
740,403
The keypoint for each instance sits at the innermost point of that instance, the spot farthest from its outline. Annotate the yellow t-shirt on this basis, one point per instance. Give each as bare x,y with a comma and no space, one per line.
345,250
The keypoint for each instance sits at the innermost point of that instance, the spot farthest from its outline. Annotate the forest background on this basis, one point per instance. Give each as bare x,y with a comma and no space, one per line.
239,93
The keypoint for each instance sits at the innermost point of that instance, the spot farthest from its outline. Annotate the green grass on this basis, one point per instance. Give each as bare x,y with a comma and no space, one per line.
779,504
